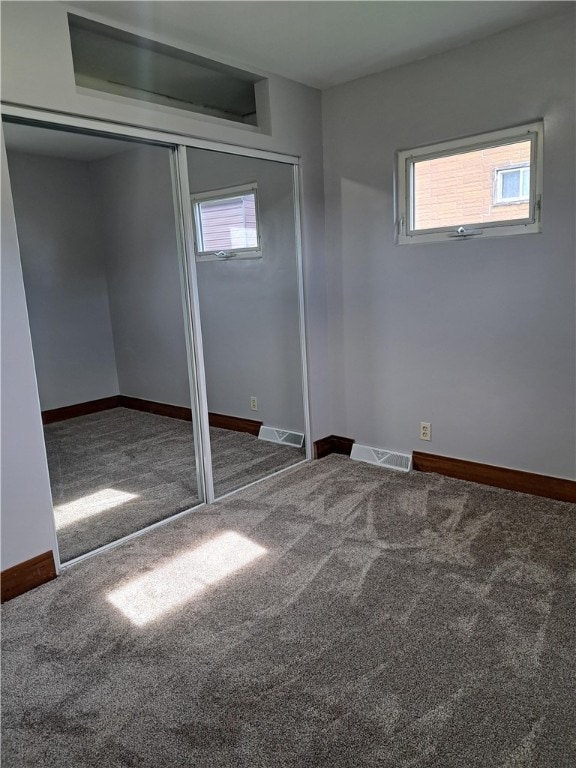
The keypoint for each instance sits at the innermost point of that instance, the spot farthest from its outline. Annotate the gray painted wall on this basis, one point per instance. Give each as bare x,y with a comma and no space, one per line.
27,520
133,192
478,337
65,281
249,308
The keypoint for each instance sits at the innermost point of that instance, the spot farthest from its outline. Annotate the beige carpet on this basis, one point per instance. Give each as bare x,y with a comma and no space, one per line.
335,616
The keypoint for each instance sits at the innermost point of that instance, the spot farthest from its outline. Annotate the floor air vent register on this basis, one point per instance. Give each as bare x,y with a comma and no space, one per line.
381,457
284,436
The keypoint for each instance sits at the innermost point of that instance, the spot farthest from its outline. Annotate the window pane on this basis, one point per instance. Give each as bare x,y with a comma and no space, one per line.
229,223
510,185
458,189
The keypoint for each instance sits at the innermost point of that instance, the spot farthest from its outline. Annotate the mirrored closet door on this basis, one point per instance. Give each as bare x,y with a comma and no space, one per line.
163,286
102,274
247,274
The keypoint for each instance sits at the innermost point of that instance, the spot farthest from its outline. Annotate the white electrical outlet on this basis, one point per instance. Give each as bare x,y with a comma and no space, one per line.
253,404
425,430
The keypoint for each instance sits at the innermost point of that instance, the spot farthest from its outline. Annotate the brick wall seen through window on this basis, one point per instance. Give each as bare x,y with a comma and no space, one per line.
460,189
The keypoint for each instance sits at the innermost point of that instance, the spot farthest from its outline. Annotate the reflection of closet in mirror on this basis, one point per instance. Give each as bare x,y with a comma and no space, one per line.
96,226
247,274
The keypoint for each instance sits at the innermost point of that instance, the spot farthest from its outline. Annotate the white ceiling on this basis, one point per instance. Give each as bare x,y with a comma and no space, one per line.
322,43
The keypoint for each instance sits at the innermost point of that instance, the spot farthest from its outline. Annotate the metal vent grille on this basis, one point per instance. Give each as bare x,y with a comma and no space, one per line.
284,436
382,458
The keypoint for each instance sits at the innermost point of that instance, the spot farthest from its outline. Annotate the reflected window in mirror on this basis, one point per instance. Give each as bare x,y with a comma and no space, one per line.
226,223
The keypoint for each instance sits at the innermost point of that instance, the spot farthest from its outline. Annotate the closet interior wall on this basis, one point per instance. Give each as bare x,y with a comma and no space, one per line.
101,288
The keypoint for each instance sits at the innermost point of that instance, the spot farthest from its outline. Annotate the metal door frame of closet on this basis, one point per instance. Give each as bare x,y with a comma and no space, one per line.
177,144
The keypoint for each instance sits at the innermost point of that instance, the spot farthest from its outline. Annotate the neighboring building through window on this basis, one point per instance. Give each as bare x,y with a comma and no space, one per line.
226,223
481,186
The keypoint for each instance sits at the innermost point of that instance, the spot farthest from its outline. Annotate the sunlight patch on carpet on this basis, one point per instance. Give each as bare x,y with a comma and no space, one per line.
151,595
87,506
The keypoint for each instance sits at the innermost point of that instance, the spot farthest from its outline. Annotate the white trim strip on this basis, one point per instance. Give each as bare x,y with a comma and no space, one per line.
223,194
297,191
129,130
196,326
195,399
476,141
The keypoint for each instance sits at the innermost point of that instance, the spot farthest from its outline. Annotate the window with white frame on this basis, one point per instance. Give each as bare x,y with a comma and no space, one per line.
482,186
512,185
226,223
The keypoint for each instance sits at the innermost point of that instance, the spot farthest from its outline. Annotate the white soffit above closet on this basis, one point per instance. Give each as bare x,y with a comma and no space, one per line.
319,43
33,140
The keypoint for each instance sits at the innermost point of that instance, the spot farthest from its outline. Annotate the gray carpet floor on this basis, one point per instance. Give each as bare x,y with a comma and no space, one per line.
394,620
145,465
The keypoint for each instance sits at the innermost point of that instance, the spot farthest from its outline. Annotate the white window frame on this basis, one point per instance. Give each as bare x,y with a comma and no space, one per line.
499,174
407,234
223,194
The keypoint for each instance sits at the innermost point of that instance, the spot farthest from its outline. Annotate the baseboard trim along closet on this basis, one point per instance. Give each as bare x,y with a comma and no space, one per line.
116,401
79,409
511,479
333,444
235,423
159,409
220,420
27,575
